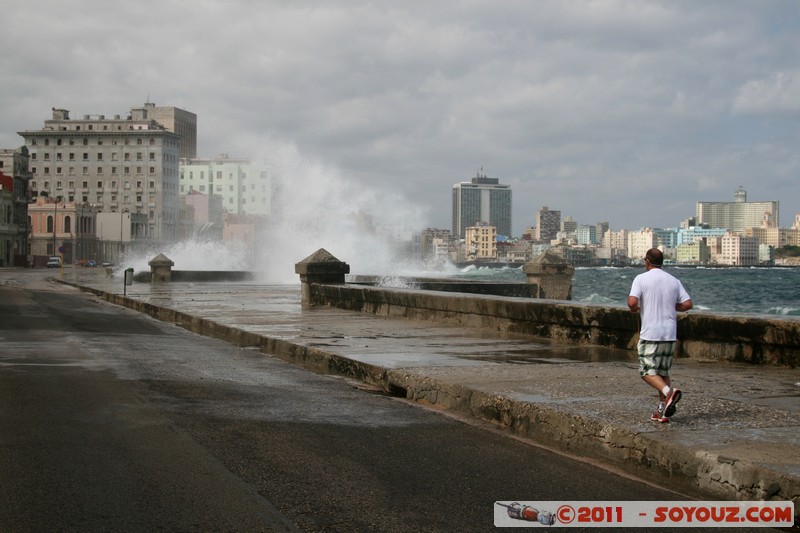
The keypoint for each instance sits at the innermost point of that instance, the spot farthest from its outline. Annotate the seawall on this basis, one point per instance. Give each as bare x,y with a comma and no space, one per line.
702,336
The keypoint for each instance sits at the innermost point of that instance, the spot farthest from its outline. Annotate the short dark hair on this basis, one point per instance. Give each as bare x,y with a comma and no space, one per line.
655,257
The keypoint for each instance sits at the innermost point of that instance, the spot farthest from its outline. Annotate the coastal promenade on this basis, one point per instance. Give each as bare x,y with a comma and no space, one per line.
736,434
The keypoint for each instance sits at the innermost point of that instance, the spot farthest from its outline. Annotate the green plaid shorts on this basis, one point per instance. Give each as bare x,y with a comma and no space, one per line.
655,357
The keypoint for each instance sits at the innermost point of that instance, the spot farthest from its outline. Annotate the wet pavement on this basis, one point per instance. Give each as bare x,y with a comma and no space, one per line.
736,434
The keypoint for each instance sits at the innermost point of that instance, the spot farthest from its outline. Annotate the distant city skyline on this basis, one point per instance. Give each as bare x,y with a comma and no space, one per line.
607,111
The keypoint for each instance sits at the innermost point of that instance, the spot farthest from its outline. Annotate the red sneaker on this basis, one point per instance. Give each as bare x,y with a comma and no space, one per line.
672,399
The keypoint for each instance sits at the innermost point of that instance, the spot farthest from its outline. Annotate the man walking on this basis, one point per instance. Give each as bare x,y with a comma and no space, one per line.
658,297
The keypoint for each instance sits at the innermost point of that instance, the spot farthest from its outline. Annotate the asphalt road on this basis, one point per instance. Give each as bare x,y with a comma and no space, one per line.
112,421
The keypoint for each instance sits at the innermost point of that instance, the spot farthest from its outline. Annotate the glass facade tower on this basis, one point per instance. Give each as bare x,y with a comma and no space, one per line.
482,199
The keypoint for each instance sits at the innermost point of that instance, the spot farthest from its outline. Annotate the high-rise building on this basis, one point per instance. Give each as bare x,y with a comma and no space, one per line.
568,225
179,121
586,234
548,224
125,165
482,199
739,214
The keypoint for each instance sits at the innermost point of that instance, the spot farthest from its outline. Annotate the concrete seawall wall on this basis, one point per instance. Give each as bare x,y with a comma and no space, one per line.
703,336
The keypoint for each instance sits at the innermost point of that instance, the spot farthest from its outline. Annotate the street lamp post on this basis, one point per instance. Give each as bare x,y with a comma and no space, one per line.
55,218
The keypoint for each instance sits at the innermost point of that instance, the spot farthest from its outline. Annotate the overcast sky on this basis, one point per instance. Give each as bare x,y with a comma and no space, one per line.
622,111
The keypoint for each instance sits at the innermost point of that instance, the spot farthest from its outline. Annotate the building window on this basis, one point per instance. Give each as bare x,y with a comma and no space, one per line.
99,184
67,224
99,170
85,171
85,156
152,184
152,156
47,157
152,170
72,156
85,184
49,224
100,156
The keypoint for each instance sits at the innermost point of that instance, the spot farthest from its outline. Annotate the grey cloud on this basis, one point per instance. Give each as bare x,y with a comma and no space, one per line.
607,110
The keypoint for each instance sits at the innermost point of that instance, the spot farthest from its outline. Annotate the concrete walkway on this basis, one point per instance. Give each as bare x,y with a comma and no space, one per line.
736,433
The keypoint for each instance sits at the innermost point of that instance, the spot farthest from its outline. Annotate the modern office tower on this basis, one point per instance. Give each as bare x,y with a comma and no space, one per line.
482,199
586,234
179,121
125,165
548,224
739,214
244,184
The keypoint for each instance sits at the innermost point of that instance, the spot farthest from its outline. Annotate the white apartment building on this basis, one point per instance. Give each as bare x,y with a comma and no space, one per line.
113,164
616,240
738,250
245,185
639,242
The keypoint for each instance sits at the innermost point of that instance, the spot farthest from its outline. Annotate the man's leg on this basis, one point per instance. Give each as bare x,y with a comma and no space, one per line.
658,383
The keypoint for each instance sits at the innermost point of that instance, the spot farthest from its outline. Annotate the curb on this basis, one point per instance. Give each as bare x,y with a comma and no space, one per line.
699,474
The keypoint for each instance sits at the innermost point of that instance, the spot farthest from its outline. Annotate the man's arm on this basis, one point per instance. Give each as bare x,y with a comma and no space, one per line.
683,306
633,304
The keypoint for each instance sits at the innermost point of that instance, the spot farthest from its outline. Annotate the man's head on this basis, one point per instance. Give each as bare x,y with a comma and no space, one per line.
654,258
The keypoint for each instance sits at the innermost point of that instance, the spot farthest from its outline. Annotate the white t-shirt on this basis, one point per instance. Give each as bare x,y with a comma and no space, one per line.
658,293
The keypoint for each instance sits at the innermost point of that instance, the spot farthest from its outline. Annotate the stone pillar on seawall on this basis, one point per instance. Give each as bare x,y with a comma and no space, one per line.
319,267
160,268
552,274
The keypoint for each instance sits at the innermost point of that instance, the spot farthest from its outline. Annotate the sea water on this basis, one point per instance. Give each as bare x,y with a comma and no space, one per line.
753,291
